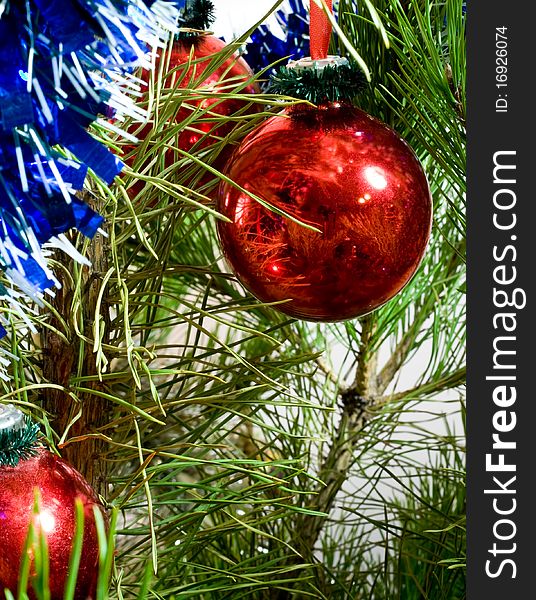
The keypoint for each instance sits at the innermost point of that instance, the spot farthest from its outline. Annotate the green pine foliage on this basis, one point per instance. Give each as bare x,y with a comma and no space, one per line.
242,456
199,15
18,445
332,84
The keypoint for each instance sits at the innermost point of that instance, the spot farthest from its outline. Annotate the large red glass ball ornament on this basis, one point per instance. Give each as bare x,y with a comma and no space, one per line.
59,485
349,175
207,129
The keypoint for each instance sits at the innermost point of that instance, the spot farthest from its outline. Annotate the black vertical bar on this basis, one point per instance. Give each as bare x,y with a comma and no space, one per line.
501,166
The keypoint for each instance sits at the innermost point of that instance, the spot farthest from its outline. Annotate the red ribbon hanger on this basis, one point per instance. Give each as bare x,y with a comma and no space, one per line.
320,30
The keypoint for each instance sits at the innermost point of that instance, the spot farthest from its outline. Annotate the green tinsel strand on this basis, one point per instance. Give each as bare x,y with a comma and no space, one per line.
198,16
18,444
330,84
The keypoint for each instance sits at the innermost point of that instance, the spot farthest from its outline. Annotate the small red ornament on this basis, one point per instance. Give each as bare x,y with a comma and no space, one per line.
231,73
59,485
340,170
208,129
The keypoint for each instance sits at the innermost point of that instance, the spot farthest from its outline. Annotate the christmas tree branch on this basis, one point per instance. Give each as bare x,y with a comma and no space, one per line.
68,353
406,345
395,361
448,382
335,469
244,441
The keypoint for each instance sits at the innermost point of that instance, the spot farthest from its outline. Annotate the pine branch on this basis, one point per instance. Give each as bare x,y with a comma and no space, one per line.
19,444
406,344
331,376
332,84
214,405
395,361
198,16
448,382
67,353
336,467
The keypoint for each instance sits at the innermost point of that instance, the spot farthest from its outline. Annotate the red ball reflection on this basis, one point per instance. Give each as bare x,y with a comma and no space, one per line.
59,485
339,169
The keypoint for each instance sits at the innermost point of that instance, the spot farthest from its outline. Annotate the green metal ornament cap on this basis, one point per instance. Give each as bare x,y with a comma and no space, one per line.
331,79
18,436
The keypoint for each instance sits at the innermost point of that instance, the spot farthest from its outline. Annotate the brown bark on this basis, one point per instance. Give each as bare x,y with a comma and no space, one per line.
60,361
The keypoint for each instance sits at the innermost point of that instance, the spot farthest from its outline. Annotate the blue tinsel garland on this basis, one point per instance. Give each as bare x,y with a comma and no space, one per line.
267,48
64,63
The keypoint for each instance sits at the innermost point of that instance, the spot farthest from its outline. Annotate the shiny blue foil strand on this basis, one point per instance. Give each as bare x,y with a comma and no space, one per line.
265,48
55,79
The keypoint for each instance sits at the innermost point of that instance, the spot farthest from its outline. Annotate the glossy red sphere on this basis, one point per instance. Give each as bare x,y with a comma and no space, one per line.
206,129
228,76
349,175
59,485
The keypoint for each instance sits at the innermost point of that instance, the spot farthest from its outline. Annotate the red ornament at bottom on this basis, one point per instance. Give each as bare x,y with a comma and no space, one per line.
59,485
350,176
